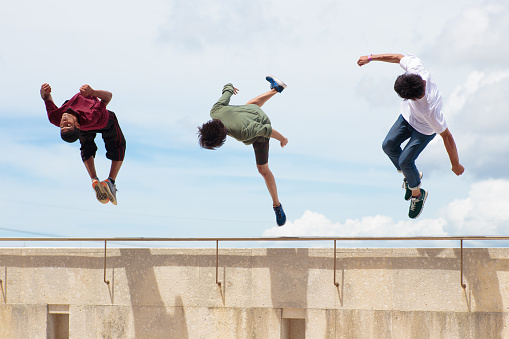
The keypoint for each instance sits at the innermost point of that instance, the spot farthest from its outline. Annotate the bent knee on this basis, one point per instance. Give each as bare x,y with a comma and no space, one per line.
387,145
263,169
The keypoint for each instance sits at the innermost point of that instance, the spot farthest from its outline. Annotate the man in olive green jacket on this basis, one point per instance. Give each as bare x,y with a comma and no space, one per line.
250,125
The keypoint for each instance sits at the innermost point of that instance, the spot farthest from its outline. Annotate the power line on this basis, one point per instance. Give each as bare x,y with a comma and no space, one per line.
134,214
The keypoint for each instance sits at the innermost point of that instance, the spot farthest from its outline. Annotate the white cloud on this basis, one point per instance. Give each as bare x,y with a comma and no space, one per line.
483,212
457,100
476,115
475,82
477,34
315,224
480,118
378,91
198,24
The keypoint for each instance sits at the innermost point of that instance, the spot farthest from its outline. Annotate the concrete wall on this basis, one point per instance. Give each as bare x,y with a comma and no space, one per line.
265,293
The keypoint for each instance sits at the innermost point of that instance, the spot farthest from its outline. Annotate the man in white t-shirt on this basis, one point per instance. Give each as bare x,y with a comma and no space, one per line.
420,120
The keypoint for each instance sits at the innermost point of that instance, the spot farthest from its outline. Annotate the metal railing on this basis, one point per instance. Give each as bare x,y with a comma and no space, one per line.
256,239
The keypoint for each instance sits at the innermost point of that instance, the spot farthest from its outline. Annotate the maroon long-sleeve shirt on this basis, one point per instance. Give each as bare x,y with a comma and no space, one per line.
92,112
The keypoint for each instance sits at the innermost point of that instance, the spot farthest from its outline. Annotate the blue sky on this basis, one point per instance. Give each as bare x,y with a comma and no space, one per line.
166,62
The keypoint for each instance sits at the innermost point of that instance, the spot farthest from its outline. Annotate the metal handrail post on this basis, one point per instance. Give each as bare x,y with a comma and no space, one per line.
461,259
106,281
217,263
335,282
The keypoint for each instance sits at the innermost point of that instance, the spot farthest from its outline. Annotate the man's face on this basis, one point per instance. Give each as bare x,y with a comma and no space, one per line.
68,122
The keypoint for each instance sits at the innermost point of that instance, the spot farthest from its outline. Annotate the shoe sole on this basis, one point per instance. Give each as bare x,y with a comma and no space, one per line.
425,197
110,195
277,81
284,222
99,194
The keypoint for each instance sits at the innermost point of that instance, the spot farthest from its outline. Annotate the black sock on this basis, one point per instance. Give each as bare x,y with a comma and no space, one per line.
112,181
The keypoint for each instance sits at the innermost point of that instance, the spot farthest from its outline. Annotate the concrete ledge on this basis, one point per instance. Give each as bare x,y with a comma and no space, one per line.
391,293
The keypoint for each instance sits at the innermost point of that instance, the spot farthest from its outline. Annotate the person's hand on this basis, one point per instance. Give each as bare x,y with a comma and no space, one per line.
86,91
45,91
284,142
363,60
458,169
235,91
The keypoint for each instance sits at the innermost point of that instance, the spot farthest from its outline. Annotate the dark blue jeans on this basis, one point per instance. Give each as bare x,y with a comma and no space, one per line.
404,159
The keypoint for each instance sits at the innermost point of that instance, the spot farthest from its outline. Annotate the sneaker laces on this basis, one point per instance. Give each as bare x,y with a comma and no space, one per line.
112,185
405,184
413,204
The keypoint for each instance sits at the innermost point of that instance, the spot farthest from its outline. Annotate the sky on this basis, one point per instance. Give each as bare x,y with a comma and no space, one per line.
166,63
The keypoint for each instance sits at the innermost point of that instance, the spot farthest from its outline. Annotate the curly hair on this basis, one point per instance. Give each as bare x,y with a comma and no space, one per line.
212,134
70,136
410,86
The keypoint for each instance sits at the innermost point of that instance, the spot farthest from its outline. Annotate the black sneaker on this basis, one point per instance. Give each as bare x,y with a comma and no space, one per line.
408,191
417,204
280,215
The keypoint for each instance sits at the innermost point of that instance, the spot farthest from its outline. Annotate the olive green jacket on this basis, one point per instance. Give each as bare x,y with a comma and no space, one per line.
246,123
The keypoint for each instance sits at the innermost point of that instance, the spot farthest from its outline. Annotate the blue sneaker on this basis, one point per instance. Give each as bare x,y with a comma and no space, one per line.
275,83
280,215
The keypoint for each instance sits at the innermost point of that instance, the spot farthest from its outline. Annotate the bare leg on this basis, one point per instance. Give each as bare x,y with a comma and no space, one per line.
115,167
262,98
270,181
90,166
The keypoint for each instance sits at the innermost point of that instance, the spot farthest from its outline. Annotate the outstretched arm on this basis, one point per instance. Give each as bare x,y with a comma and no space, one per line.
392,58
278,136
228,90
51,109
450,147
105,96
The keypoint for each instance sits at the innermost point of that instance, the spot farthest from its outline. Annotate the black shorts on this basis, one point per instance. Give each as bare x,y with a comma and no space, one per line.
261,149
114,141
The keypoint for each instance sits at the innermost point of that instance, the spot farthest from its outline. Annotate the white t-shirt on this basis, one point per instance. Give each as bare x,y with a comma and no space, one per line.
425,114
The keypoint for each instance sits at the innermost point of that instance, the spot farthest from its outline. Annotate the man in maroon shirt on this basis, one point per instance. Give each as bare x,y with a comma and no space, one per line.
82,117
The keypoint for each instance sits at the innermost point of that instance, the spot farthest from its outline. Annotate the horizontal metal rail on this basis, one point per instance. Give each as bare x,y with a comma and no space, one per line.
241,239
469,237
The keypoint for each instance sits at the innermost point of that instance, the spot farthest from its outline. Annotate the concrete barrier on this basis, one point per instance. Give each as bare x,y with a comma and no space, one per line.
264,293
